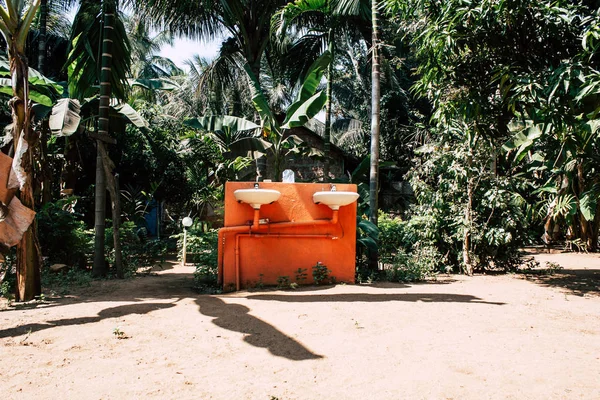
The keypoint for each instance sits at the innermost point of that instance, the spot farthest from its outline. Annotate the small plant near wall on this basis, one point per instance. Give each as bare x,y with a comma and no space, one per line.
301,276
320,273
260,284
283,282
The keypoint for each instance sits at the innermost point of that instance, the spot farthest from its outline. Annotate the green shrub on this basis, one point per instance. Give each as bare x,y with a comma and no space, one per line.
62,282
8,277
421,264
498,225
63,237
320,273
393,236
202,250
137,250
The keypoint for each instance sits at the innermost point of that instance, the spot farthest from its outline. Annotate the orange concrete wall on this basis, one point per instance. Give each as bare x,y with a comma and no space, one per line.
274,251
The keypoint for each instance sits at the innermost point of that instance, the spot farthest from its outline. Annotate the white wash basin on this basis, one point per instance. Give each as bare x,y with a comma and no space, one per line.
256,197
335,199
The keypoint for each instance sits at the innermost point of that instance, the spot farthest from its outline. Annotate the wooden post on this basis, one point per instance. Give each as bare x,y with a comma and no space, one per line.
184,246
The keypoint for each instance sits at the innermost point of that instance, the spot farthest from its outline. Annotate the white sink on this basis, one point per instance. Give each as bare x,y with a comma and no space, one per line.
256,197
335,199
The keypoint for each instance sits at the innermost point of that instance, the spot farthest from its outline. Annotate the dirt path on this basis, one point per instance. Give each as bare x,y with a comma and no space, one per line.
487,337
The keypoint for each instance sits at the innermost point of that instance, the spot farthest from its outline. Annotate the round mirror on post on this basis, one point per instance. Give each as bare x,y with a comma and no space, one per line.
186,222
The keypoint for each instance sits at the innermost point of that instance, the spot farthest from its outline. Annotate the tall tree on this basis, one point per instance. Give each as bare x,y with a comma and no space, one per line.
375,125
16,18
100,23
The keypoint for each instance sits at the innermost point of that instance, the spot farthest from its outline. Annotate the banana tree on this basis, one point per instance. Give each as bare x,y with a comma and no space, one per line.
309,102
271,136
320,21
236,138
16,17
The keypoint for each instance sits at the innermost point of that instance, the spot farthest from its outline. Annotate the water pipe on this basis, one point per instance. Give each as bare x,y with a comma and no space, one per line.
279,235
257,227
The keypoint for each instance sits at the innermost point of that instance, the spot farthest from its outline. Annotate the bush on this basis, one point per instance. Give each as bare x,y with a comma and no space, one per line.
137,250
63,238
417,266
61,282
8,276
202,250
394,236
320,273
498,224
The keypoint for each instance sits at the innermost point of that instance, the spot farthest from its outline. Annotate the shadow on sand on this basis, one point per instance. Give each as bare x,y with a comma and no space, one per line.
235,317
580,282
374,298
112,312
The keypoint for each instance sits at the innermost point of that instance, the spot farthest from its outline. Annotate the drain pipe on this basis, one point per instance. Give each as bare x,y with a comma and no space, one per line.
221,240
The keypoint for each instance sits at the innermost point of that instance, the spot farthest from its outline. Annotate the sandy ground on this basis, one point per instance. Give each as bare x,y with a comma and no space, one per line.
486,337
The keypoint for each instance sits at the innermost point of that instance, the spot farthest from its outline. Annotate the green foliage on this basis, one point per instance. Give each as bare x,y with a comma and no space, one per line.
137,250
63,237
392,236
283,282
320,273
202,251
422,263
62,282
498,227
301,275
8,277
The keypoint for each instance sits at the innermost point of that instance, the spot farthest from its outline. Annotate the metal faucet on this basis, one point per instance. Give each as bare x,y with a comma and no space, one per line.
256,185
333,188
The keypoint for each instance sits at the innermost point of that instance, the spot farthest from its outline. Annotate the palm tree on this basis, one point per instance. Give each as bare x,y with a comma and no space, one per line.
15,23
99,22
375,114
246,22
150,72
319,23
312,15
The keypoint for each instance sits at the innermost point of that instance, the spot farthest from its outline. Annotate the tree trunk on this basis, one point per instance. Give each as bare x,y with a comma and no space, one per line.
109,11
467,262
99,269
595,230
375,115
70,168
586,228
112,184
28,251
42,37
327,138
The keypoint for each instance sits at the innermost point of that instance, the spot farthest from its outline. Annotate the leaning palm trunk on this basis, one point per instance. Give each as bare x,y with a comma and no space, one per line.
375,111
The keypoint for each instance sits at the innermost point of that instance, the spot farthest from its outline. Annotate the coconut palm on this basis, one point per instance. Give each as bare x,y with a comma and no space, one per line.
107,66
246,22
150,72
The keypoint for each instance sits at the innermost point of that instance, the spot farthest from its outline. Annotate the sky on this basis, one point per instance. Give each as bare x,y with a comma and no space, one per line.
184,49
